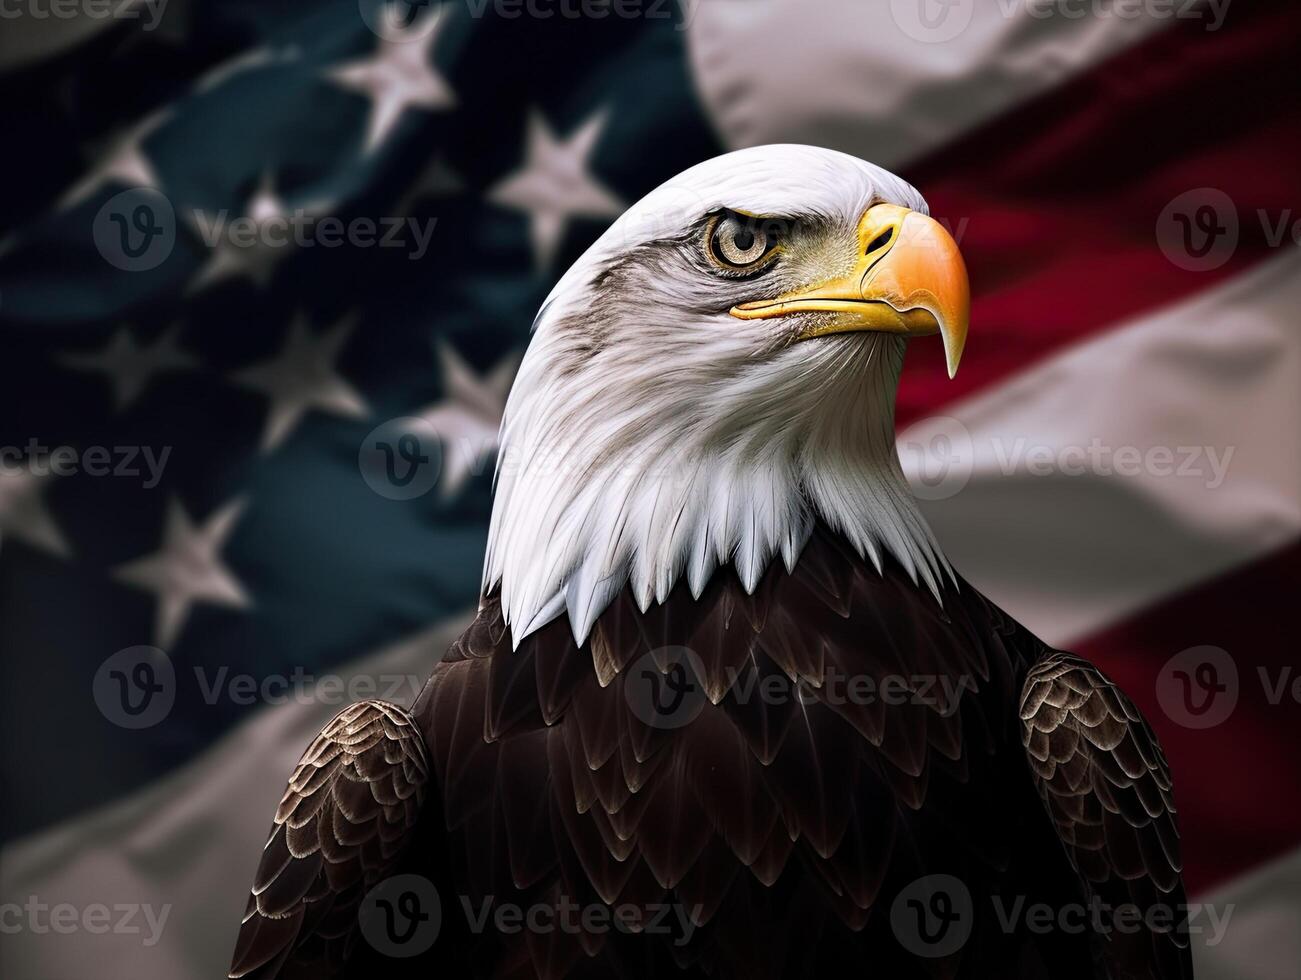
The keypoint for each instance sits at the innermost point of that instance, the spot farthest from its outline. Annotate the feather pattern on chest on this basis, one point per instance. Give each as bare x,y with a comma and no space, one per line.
824,731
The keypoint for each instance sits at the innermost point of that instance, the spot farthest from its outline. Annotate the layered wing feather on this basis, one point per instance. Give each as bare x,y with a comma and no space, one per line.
1106,786
342,824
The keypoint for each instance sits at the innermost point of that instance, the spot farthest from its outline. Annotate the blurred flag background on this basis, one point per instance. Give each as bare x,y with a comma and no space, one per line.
267,268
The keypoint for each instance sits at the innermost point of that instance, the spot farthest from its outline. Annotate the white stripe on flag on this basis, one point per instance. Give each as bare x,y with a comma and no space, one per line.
1042,529
891,79
1259,938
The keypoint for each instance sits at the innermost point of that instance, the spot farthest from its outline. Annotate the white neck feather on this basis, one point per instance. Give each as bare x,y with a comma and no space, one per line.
595,493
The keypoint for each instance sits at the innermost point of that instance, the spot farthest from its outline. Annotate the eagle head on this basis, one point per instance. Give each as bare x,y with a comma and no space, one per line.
715,374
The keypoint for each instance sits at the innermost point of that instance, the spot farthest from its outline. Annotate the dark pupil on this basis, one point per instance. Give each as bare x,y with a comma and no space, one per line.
744,239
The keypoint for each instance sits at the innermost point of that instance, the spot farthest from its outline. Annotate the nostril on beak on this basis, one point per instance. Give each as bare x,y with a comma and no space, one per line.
880,241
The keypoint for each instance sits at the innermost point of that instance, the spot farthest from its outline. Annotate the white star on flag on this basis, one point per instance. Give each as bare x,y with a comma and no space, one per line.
468,418
23,514
256,261
303,377
129,365
399,76
187,568
554,184
124,163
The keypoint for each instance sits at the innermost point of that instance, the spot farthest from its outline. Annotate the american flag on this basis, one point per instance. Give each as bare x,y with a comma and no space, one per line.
266,270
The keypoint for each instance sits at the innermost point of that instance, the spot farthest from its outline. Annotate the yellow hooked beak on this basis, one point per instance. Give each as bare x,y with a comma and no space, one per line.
909,279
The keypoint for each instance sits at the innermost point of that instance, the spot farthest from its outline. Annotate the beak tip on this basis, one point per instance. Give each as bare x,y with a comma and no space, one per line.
954,343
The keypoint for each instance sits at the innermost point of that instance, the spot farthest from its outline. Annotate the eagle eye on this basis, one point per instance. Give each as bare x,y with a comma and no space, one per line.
739,242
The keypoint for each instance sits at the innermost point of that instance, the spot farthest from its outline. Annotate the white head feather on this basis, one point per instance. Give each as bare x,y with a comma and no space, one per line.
651,435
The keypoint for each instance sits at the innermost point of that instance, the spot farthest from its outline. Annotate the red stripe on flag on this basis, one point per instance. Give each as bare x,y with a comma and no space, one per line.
1056,204
1237,783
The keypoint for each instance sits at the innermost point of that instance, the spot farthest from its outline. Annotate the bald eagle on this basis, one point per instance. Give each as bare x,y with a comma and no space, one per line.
726,710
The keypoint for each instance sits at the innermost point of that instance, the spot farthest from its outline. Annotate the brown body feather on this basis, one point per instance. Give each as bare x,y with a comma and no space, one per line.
826,743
